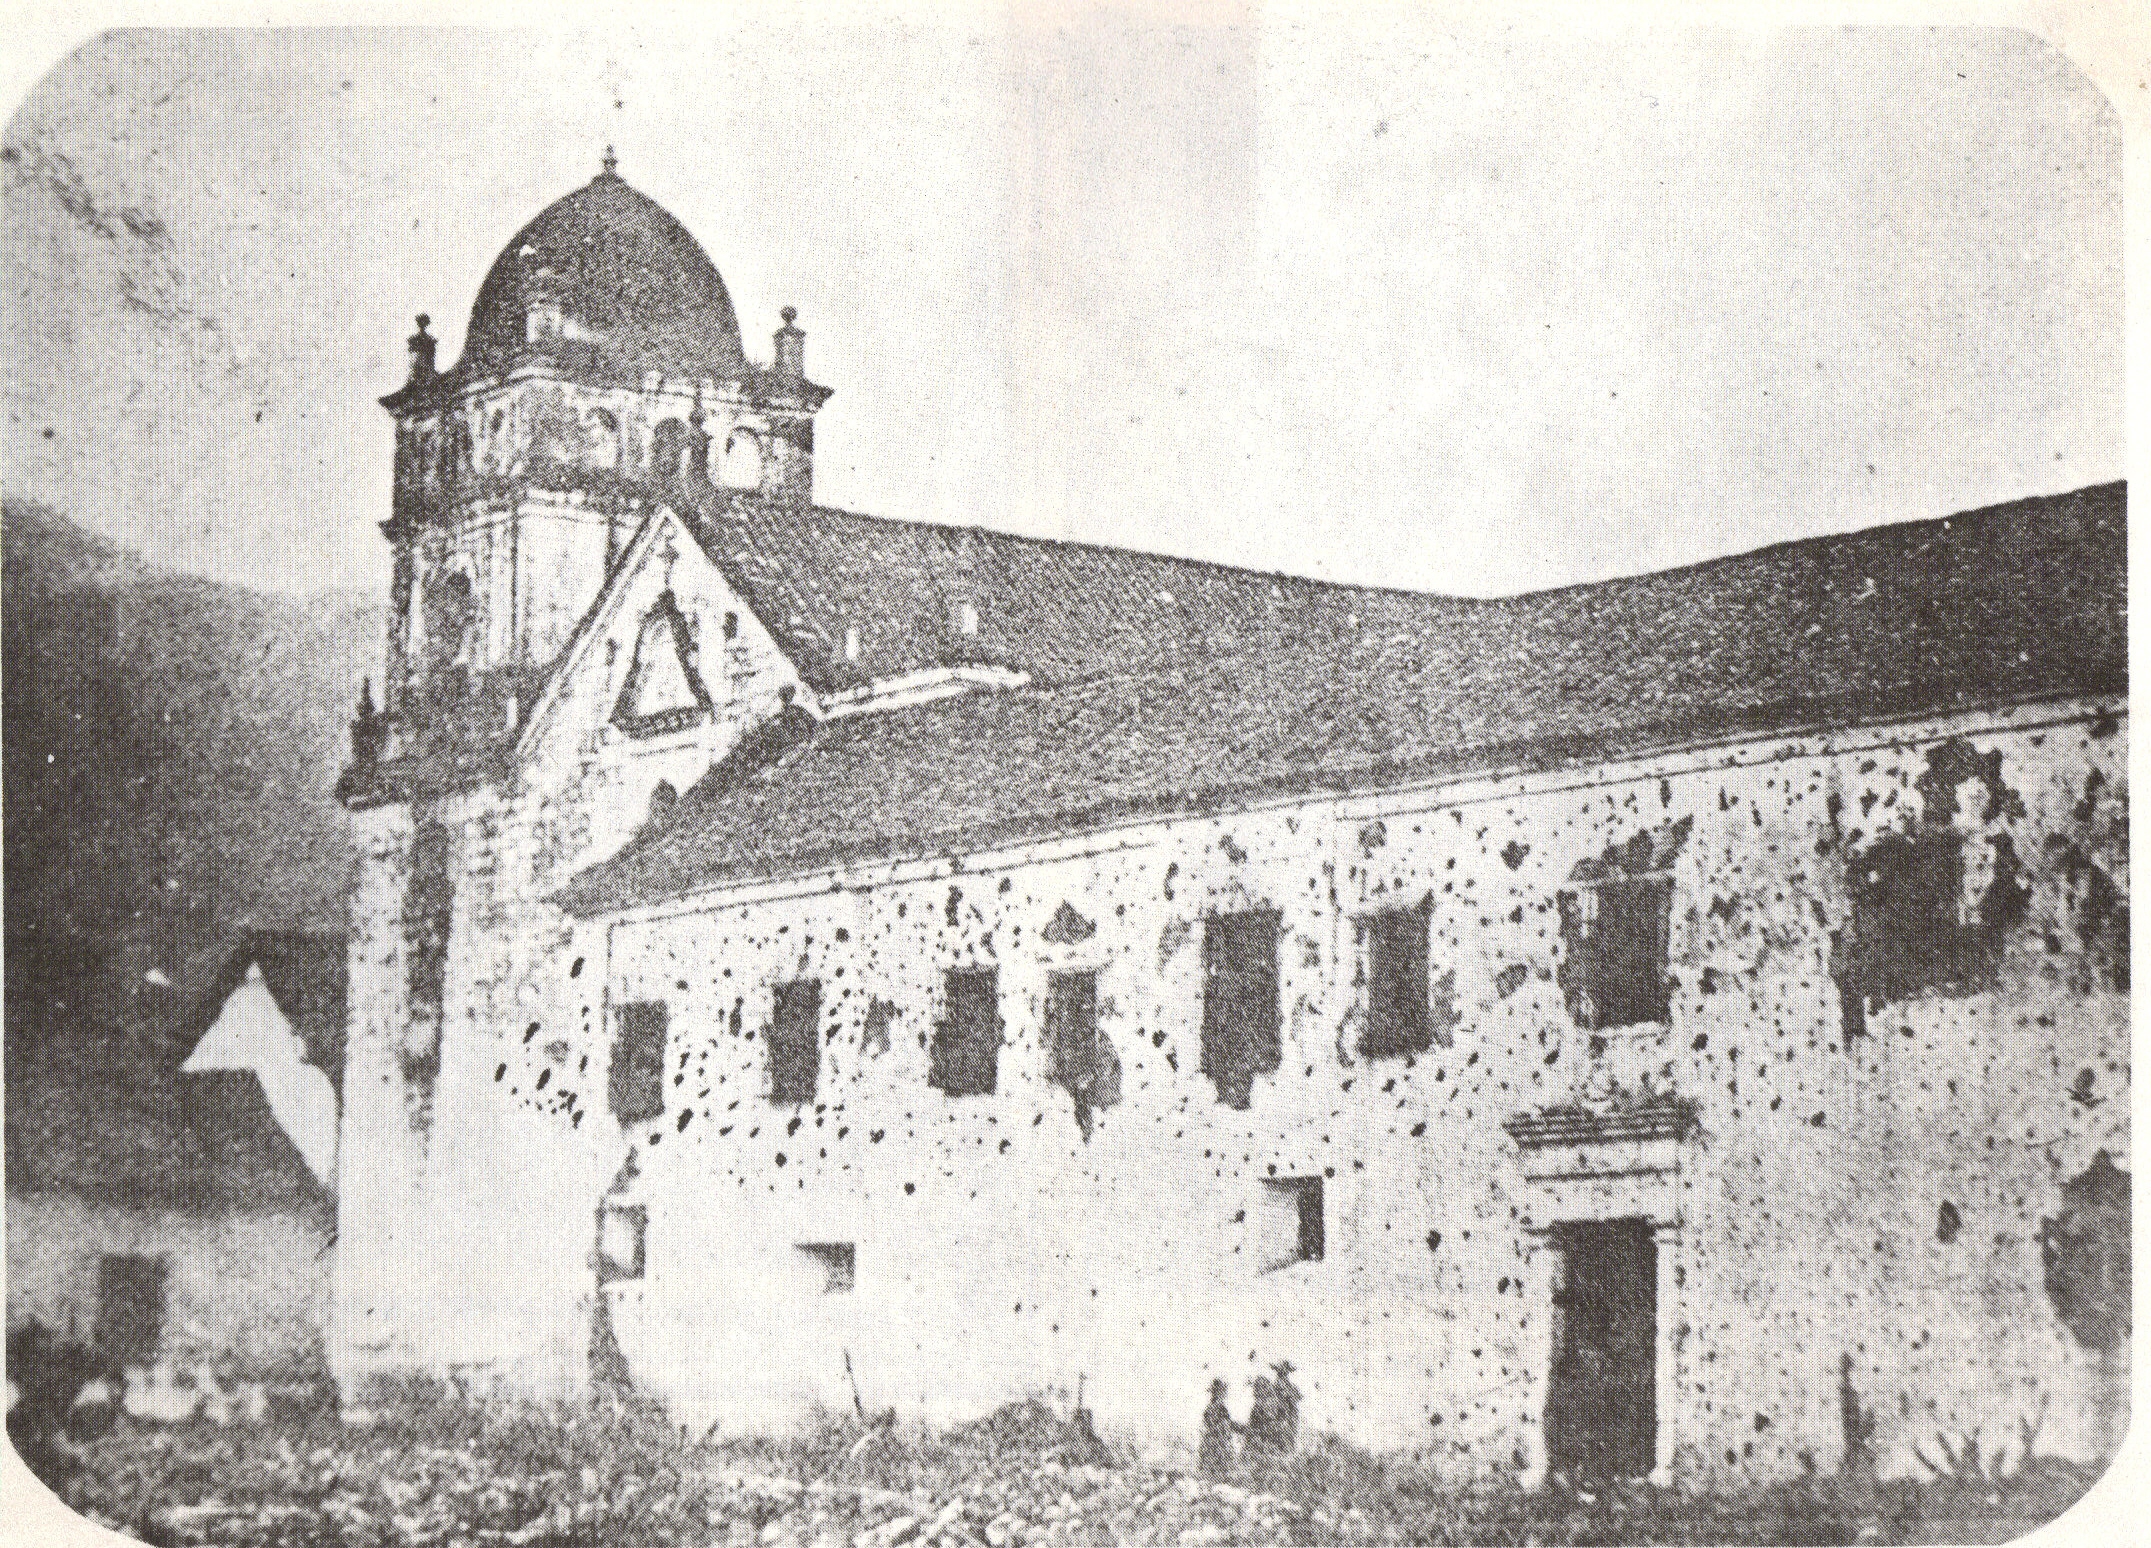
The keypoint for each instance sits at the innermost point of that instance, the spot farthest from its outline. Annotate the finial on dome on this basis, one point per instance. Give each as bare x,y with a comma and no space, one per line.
421,346
612,162
791,347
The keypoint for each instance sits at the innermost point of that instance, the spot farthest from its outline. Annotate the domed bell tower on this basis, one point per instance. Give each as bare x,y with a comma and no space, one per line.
602,377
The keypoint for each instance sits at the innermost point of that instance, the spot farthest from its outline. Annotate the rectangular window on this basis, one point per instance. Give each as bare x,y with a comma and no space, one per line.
623,1231
637,1087
795,1046
837,1263
1072,1030
1079,1057
1239,1010
1394,960
1288,1223
130,1307
966,1052
1614,935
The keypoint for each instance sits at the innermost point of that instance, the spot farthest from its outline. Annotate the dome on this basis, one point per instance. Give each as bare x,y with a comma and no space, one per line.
621,285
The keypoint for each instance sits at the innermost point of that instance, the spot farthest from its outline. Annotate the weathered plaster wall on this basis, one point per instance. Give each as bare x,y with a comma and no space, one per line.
250,1286
461,1250
999,1251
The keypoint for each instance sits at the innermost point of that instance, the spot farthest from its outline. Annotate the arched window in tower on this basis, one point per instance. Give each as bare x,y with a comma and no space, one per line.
668,450
604,439
462,459
742,461
451,613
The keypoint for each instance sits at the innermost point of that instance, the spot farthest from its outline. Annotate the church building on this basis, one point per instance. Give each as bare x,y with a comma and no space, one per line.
1672,1026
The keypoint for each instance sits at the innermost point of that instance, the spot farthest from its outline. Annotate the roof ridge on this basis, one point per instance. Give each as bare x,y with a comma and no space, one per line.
1001,534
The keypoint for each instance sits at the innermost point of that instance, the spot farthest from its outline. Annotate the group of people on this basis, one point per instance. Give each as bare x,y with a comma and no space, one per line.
1272,1427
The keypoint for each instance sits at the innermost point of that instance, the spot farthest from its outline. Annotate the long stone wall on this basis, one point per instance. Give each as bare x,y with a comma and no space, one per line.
1869,1186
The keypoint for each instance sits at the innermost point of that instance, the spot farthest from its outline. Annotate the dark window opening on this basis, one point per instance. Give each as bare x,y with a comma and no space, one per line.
130,1307
668,450
1397,988
795,1054
1239,1012
838,1263
1602,1401
428,913
1913,929
1289,1226
1080,1057
1614,934
966,1052
637,1083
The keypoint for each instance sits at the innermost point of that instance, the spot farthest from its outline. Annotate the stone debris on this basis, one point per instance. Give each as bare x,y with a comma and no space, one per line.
533,1482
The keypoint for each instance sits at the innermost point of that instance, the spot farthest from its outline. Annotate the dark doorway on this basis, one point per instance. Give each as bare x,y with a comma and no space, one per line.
130,1307
1602,1401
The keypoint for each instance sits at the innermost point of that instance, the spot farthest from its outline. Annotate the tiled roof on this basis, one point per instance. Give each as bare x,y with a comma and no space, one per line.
624,271
1164,685
1062,612
98,1108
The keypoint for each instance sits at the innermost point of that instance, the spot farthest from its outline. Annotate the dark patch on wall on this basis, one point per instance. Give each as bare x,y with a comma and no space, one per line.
874,1039
1947,1222
2096,908
1956,762
2085,1252
428,909
1510,979
1067,927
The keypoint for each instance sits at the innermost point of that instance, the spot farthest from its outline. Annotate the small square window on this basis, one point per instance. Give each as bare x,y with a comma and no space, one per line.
637,1084
1288,1223
130,1307
795,1053
966,1051
838,1263
623,1230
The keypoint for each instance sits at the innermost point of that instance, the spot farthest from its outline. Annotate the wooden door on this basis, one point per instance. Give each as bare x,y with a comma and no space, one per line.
1602,1399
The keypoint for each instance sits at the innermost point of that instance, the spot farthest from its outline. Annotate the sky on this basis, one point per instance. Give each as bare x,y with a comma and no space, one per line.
1386,301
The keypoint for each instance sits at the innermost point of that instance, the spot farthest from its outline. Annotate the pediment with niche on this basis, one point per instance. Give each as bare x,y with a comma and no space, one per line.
664,690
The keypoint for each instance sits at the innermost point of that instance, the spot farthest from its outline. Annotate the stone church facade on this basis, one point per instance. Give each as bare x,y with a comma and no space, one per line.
1661,1026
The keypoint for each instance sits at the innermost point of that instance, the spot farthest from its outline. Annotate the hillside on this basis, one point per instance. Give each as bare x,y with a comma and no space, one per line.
170,747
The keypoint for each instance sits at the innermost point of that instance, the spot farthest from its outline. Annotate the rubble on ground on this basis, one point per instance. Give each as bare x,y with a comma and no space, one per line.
524,1479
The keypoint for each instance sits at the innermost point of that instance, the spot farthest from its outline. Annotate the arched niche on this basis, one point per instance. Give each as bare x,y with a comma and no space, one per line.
742,466
603,438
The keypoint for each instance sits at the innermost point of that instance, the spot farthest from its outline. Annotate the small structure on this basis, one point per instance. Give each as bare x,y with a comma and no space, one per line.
170,1144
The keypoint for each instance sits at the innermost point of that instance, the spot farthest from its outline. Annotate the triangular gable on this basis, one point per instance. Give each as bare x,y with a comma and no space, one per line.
663,538
251,1033
664,690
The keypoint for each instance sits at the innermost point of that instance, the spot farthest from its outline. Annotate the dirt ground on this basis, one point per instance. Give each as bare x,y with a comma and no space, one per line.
455,1475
